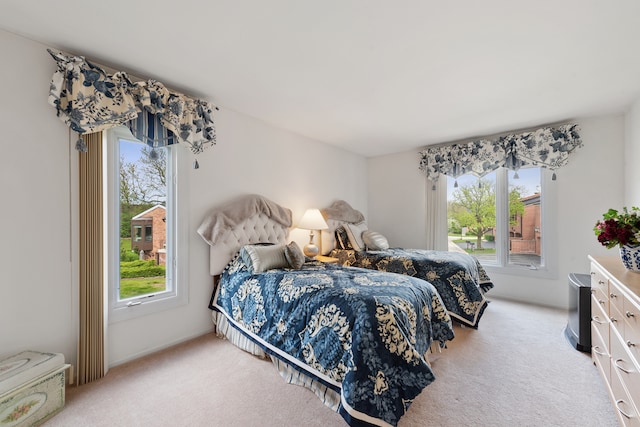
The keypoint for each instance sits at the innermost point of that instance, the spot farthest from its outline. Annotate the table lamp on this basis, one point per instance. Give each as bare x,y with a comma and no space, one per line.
312,220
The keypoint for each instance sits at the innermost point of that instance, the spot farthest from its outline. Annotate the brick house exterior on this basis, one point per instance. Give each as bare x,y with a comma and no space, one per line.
524,236
149,233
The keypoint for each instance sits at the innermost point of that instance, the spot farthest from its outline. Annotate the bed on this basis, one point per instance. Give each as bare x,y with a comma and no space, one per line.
357,338
459,277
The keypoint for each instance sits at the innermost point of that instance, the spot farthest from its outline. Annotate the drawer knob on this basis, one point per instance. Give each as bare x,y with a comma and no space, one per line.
601,301
629,314
614,320
601,282
612,295
630,344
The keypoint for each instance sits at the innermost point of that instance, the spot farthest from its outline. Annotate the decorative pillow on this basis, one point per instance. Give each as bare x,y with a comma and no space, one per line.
261,258
294,255
354,231
342,239
375,241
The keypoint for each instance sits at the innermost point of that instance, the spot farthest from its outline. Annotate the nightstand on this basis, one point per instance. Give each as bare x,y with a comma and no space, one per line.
327,259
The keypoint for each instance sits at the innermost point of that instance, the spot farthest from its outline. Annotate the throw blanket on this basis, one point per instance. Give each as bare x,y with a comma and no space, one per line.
224,218
459,277
362,333
342,211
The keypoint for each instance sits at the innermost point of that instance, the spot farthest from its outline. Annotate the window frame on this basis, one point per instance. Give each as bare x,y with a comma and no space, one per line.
177,290
548,208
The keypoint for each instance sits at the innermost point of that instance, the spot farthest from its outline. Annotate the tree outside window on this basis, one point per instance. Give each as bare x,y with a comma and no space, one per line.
472,208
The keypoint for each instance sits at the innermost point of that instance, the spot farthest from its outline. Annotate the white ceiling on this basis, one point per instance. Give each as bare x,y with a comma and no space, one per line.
374,77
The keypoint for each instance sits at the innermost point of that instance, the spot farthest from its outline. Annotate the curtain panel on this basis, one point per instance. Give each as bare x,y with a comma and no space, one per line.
547,147
88,100
91,334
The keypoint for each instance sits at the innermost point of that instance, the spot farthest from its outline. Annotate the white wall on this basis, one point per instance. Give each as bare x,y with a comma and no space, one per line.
35,254
396,202
591,184
38,302
632,156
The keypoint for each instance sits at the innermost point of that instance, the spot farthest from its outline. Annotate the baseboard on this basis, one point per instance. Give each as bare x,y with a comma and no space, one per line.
160,348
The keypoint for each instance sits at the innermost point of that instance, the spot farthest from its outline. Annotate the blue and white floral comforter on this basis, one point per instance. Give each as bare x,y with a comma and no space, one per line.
363,333
459,278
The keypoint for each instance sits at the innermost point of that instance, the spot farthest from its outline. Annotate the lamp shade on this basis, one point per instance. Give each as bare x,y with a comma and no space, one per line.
312,220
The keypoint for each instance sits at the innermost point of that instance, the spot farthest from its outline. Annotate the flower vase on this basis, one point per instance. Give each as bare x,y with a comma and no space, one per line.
630,256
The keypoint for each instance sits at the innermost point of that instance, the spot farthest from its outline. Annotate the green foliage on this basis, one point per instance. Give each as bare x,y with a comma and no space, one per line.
126,254
138,277
489,237
141,268
516,207
136,263
473,206
619,228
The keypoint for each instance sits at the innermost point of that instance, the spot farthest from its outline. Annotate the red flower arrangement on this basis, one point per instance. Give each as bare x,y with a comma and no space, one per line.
619,228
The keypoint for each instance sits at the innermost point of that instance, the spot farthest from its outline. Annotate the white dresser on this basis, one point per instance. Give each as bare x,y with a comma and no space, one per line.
615,334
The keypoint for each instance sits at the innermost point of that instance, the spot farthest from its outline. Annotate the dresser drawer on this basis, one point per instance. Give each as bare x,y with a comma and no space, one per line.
601,299
616,297
617,319
631,333
625,409
624,365
600,354
600,285
600,321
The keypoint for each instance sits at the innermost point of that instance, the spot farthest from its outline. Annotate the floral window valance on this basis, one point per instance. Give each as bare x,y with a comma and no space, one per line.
89,100
547,147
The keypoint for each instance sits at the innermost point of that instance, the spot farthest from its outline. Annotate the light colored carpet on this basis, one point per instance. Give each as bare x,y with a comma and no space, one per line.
517,369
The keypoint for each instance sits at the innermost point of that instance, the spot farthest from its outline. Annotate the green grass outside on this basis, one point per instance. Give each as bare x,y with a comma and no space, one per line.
462,242
133,287
141,286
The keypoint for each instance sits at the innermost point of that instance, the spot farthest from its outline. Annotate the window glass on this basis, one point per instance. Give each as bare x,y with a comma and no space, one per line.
498,218
142,199
144,227
471,214
525,217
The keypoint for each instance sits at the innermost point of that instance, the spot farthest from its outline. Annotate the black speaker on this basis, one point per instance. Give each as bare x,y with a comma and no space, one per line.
578,330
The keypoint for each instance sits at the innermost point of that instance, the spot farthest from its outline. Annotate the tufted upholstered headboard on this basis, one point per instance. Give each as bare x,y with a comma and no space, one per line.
247,220
336,215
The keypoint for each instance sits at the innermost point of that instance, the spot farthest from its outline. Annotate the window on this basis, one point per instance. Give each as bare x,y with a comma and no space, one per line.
503,219
142,227
137,234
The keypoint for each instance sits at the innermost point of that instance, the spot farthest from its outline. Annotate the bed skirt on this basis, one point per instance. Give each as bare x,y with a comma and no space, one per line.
224,329
328,396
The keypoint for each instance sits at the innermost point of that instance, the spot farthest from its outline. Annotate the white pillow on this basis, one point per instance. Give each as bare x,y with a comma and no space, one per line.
262,258
375,241
354,231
